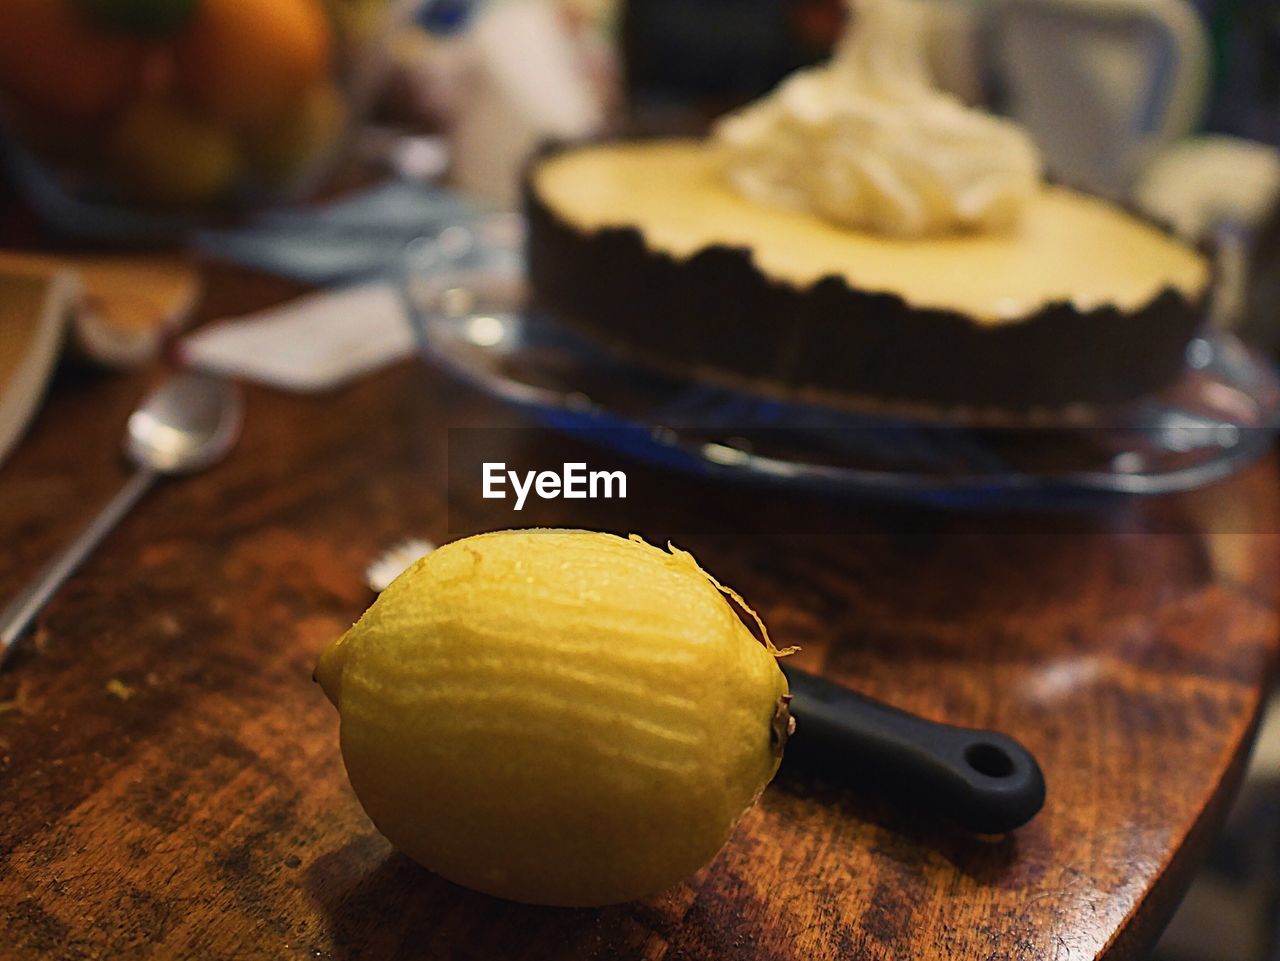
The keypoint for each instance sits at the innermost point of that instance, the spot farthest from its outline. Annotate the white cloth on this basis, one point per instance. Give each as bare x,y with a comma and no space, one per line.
314,343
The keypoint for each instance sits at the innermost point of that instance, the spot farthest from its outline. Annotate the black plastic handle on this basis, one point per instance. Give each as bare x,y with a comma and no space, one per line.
983,780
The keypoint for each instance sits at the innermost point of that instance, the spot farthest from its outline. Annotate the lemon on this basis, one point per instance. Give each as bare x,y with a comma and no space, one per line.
167,155
289,147
358,20
556,717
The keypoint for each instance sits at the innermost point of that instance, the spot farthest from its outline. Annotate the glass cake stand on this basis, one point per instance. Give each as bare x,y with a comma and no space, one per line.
466,296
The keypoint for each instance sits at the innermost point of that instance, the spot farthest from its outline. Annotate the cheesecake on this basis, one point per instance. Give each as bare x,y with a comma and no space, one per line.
847,241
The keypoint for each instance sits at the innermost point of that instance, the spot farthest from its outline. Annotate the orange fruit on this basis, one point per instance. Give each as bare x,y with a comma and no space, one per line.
248,61
53,58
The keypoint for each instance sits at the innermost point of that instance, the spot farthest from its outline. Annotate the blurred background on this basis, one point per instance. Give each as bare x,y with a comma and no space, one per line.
314,138
134,122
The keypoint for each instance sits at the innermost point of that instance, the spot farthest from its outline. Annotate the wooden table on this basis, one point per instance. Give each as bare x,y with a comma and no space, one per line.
171,787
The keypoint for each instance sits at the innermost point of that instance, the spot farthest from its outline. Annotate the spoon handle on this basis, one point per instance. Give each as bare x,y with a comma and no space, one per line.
20,611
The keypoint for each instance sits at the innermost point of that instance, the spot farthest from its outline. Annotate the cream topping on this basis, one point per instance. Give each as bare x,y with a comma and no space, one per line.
868,142
1066,248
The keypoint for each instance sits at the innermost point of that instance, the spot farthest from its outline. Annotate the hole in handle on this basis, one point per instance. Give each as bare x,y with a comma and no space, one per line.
988,759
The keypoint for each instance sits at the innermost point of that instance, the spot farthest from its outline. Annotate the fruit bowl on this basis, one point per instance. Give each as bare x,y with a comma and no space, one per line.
133,119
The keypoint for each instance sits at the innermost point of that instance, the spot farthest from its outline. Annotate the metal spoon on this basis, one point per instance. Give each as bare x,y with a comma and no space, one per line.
185,425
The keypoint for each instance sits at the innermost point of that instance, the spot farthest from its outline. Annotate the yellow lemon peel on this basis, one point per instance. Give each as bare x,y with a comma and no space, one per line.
687,559
556,716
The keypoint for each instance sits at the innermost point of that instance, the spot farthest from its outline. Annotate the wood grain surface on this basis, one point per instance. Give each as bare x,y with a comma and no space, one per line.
171,787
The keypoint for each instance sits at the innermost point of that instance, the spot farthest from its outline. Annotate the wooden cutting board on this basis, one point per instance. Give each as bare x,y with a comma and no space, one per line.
128,303
33,318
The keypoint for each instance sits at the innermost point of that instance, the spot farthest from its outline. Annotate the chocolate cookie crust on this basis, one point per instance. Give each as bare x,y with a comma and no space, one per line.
715,313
